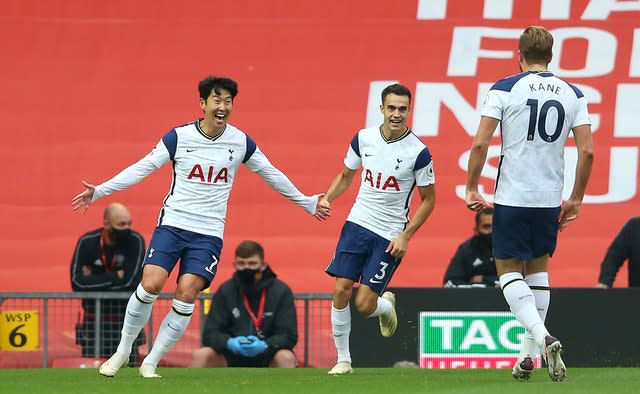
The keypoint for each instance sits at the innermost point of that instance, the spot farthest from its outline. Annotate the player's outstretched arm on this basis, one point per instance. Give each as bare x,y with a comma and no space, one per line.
280,183
477,158
83,200
398,247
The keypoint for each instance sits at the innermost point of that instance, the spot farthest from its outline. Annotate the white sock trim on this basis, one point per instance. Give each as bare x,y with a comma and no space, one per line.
144,296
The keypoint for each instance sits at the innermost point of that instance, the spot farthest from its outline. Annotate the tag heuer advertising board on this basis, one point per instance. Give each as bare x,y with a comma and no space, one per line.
470,340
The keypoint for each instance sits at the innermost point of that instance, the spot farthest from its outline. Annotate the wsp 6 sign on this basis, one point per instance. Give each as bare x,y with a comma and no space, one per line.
470,340
19,330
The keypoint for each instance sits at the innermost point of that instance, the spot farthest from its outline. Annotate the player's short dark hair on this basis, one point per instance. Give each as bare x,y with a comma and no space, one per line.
483,211
536,44
396,89
216,84
248,248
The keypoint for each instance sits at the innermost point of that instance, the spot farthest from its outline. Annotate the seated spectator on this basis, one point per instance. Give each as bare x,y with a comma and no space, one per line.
252,320
107,259
624,247
473,264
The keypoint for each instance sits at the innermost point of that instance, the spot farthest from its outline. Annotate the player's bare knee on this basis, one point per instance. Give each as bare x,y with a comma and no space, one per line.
342,292
151,286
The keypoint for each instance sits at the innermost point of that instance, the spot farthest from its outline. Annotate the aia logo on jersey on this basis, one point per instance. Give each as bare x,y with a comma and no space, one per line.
390,183
210,176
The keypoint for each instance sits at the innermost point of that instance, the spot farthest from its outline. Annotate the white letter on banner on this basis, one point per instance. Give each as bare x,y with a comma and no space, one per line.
465,49
374,116
478,334
431,96
555,9
634,63
623,173
601,51
600,9
627,121
498,9
503,335
432,9
447,330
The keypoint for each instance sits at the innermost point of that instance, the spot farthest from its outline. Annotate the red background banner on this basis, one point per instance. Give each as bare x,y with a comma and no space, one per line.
89,87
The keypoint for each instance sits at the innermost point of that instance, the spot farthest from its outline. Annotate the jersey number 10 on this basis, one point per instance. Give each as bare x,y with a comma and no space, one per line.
540,118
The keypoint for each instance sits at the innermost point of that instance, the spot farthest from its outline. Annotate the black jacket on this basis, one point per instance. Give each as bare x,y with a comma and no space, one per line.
472,258
229,318
625,246
127,256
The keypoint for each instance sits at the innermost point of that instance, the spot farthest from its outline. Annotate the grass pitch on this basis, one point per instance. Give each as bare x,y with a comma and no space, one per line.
308,381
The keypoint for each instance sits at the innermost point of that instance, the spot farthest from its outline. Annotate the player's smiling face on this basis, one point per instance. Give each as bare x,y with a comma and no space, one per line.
395,110
217,108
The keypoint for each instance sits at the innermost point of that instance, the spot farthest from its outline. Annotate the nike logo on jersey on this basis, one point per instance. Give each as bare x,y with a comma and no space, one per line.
367,154
374,281
191,150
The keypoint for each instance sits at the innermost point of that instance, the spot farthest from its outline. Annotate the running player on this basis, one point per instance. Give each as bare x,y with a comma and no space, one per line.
377,231
536,111
205,155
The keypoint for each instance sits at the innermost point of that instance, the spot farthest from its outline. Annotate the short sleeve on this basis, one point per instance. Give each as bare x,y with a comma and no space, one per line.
425,176
493,104
353,160
582,113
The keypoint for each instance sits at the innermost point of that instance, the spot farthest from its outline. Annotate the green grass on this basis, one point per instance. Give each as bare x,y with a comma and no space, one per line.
308,381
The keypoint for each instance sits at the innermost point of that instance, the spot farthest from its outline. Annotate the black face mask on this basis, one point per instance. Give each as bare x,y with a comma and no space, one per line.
119,235
248,275
485,240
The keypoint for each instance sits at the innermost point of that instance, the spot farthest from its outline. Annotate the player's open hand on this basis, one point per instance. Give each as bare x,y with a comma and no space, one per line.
83,200
323,208
569,211
476,202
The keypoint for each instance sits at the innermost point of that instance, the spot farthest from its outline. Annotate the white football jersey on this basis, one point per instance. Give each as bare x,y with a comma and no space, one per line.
537,110
203,174
390,172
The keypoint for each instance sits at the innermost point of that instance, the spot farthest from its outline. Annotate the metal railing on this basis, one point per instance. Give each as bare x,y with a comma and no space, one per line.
39,329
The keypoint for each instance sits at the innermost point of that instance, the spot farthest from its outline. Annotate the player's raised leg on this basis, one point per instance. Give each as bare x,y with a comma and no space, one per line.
388,317
136,316
175,322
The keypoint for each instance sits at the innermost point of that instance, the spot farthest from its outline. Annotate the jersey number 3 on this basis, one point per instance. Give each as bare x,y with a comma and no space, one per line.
539,118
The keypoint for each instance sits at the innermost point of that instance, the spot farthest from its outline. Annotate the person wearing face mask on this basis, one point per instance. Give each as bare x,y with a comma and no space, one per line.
107,259
252,321
473,264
